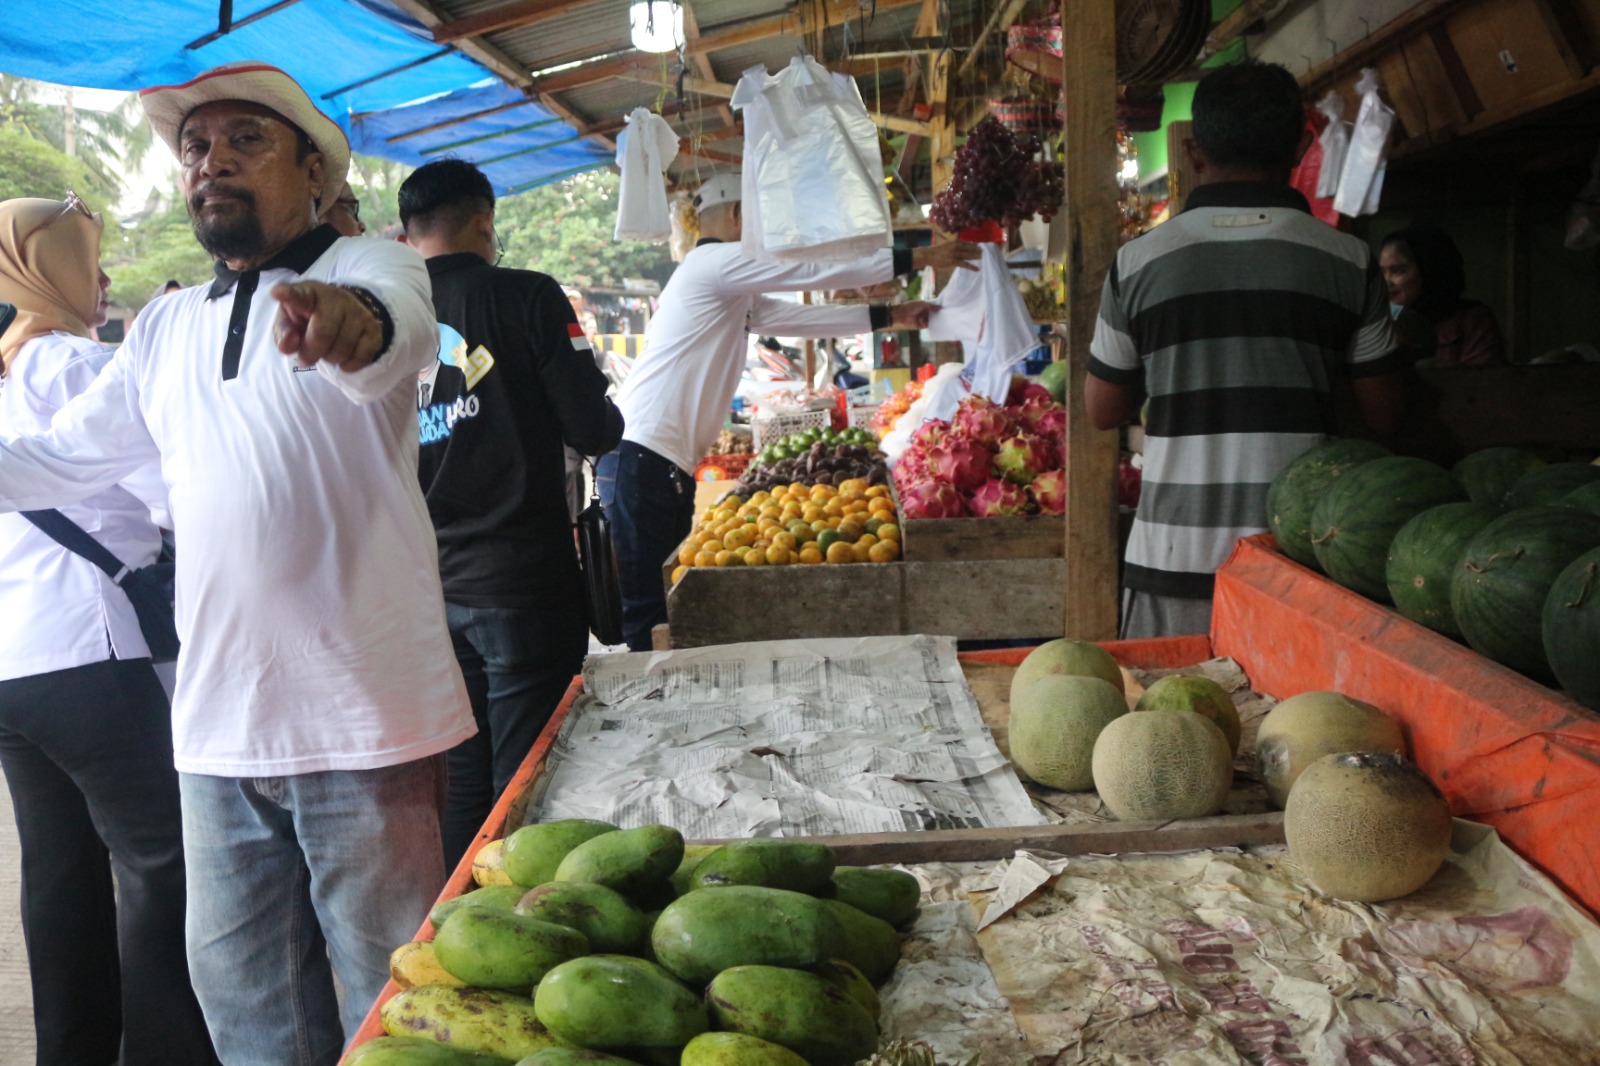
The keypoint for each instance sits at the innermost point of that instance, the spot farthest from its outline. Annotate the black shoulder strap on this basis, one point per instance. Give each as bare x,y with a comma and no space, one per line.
71,536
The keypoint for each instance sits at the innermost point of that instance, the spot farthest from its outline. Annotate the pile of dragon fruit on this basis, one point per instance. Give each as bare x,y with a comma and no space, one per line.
989,460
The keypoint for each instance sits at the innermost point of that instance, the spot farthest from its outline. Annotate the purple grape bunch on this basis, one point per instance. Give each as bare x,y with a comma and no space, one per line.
997,178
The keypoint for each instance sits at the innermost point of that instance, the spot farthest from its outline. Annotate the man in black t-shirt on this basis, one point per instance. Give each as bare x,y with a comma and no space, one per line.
516,380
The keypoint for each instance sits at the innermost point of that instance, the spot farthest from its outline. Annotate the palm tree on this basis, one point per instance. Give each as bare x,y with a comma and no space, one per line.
109,143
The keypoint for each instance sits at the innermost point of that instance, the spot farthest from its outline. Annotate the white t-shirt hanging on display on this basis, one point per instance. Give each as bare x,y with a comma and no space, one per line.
813,178
986,313
645,148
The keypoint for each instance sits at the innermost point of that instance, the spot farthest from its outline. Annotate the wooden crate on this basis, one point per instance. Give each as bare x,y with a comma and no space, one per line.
938,540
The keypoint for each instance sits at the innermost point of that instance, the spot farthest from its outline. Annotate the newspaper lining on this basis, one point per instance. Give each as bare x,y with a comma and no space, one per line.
782,738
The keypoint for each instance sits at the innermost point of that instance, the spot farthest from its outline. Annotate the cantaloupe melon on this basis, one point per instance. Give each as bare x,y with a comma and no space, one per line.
1054,724
1366,826
1184,692
1304,728
1077,658
1175,764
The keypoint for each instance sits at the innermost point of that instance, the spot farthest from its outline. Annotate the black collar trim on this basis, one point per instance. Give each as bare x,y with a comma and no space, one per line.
438,264
1247,194
707,240
297,256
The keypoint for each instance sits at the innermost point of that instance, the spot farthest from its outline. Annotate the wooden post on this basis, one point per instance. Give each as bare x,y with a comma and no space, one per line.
1089,87
942,138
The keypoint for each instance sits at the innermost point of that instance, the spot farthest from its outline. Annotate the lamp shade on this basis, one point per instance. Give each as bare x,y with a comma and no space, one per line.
657,25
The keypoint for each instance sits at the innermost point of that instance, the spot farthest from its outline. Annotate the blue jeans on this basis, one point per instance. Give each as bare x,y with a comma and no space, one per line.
517,663
288,872
650,502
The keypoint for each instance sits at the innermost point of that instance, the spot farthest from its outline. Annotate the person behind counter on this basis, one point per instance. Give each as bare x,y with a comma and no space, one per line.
1425,274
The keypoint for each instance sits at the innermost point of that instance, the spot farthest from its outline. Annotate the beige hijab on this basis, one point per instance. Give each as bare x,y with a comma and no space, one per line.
51,274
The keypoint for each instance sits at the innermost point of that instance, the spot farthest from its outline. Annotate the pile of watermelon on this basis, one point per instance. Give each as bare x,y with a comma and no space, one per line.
1502,551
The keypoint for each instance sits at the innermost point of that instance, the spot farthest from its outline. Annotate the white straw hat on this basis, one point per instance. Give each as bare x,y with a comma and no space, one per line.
722,189
257,83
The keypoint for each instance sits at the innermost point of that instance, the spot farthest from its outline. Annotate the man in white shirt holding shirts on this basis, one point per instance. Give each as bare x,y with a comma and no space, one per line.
675,400
316,688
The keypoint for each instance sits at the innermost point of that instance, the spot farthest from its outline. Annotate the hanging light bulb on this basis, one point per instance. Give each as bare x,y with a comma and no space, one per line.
656,25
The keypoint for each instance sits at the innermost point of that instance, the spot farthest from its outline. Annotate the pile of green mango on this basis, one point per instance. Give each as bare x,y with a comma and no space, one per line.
590,944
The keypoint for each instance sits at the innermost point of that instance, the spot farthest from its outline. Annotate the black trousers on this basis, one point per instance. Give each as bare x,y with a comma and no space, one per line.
87,755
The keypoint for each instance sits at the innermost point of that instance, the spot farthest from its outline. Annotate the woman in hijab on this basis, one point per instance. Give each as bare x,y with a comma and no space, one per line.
85,731
1425,274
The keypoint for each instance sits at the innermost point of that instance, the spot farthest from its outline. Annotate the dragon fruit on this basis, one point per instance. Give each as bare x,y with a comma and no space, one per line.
930,433
982,420
1052,429
963,463
1020,389
1049,491
1021,457
932,499
1034,406
912,467
997,497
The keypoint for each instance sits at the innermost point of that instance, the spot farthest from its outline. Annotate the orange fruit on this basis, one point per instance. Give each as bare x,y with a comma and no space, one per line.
778,555
850,530
686,554
784,540
819,525
729,558
840,552
868,539
812,546
862,552
811,512
810,555
832,523
755,557
767,525
678,572
704,558
878,490
826,539
885,551
800,528
889,531
759,498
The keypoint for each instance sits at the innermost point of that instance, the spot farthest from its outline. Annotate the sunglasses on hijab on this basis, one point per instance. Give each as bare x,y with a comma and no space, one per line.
69,205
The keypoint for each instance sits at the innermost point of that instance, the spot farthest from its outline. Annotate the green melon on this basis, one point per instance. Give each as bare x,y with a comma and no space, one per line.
1488,474
1054,378
1054,724
1366,826
1077,658
1571,629
1500,586
1584,498
1172,764
1548,484
1295,492
1423,558
1354,523
1203,696
1305,727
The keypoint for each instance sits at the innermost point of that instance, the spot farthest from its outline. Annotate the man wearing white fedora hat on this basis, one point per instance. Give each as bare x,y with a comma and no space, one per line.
316,688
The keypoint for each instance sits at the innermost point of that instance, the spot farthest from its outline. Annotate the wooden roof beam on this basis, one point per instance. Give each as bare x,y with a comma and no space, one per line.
788,23
504,17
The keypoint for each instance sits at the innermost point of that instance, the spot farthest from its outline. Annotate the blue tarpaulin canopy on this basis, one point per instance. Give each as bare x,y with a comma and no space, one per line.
337,49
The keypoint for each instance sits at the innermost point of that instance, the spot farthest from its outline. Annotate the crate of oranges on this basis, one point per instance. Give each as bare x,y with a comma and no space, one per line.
803,525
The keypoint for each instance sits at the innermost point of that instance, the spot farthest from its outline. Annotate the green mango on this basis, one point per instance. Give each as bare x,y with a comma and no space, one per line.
618,1003
612,925
533,852
796,865
870,945
567,1056
500,949
414,1051
468,1019
737,1049
635,862
795,1009
845,977
703,933
495,897
692,854
889,895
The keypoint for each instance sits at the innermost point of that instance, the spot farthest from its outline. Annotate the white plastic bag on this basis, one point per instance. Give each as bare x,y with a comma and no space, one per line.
645,148
1335,140
1361,178
985,312
812,177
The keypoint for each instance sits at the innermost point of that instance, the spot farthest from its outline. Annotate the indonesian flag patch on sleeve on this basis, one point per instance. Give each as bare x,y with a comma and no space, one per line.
580,340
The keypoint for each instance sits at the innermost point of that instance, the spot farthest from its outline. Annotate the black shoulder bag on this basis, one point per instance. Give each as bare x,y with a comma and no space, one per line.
149,588
597,558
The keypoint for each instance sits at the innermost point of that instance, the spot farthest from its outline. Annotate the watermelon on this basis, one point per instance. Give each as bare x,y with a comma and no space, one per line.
1571,628
1584,498
1423,558
1354,523
1296,490
1488,474
1500,585
1054,378
1549,484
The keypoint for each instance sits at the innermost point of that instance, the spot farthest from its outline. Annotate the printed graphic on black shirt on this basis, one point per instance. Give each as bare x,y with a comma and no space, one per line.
444,390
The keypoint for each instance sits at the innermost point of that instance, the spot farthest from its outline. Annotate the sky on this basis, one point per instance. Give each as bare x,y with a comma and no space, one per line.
156,170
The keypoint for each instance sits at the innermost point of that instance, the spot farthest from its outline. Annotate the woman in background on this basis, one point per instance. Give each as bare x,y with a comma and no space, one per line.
1425,274
85,730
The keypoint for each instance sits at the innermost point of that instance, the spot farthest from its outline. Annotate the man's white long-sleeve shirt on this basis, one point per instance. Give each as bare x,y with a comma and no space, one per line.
677,398
308,596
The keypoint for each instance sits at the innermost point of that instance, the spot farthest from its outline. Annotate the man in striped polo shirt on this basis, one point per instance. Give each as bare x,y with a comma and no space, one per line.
1235,318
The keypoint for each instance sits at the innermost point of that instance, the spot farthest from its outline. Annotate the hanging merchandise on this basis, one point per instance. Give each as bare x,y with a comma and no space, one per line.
1307,177
685,226
1335,140
813,175
645,148
985,312
1361,178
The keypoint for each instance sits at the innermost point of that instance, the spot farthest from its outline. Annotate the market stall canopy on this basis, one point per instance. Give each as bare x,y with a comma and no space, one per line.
372,67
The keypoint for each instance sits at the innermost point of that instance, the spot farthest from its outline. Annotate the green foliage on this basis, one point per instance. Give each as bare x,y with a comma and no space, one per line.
30,167
142,257
565,230
376,183
106,144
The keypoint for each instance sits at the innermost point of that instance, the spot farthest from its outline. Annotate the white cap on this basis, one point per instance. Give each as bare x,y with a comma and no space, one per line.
722,189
